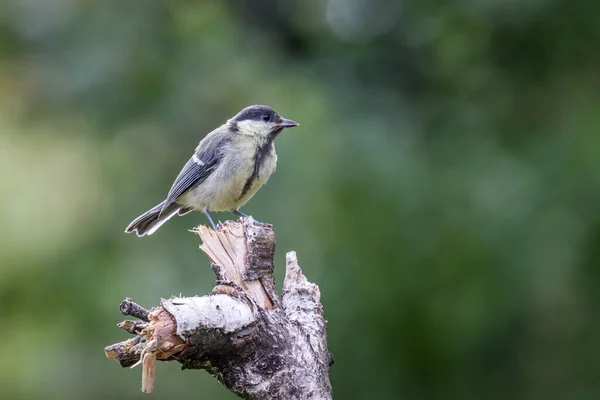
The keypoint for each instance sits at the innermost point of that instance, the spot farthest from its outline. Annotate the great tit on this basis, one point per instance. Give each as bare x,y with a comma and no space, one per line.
228,167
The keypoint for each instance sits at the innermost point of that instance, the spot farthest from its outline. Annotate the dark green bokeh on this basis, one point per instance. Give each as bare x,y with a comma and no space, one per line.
443,188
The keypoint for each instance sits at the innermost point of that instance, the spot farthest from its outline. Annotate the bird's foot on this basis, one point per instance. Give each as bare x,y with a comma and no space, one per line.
239,213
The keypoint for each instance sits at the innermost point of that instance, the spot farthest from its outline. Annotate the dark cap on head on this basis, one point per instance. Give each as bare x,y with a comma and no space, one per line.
265,114
257,113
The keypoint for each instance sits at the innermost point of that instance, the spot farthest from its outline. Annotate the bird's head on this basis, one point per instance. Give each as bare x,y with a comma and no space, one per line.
260,121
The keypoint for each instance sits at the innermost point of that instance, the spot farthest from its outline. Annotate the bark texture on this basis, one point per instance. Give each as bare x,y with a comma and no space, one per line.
260,346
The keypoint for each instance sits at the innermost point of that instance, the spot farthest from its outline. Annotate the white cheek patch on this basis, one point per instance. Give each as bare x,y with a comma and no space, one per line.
251,127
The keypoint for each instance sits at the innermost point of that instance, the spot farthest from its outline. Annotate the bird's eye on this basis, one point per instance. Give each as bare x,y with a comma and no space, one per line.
266,117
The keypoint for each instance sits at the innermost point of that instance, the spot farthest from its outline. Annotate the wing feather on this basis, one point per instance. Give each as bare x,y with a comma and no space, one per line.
205,160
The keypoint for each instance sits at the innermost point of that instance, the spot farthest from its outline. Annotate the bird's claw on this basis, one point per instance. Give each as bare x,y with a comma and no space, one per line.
239,213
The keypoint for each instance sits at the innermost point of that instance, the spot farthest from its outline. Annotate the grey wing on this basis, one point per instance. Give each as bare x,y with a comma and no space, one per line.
204,161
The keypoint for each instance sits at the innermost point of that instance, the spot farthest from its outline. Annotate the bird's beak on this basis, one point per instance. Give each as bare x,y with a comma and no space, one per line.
287,123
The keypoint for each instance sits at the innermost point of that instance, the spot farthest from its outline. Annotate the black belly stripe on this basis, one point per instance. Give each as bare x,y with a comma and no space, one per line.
261,154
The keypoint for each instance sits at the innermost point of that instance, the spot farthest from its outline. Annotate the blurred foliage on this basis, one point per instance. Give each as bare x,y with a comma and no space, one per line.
442,190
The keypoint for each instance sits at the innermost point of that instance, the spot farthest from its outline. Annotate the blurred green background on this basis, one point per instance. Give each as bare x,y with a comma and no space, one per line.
443,188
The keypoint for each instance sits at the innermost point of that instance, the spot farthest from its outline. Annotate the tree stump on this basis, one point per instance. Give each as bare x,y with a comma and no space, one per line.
258,344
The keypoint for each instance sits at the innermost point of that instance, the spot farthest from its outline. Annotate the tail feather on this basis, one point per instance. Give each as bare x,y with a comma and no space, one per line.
184,210
149,222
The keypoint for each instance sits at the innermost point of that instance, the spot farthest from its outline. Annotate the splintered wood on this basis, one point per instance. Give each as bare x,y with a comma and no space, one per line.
160,342
227,248
260,345
148,373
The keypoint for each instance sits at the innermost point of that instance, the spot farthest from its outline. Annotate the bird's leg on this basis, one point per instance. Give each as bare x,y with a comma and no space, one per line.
210,219
239,213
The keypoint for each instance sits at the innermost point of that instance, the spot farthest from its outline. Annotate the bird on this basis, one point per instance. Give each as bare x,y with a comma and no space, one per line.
226,170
